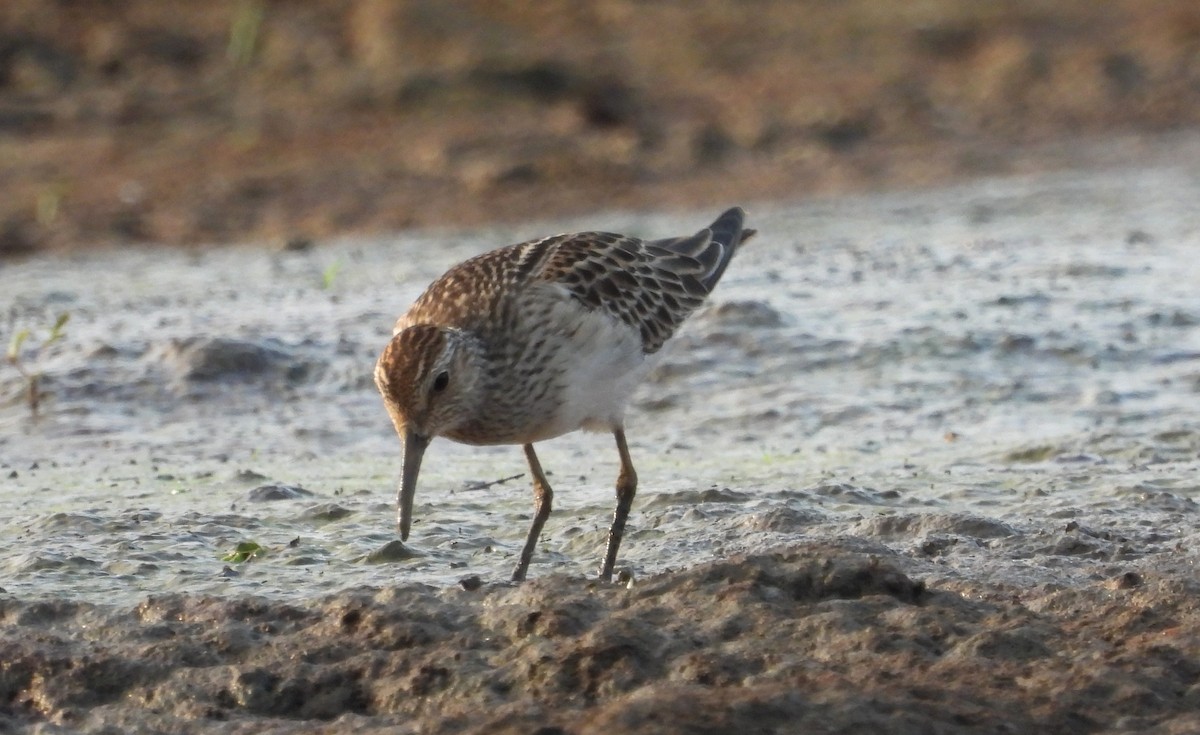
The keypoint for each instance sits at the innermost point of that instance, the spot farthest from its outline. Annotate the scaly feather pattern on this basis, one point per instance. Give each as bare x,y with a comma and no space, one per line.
650,286
535,340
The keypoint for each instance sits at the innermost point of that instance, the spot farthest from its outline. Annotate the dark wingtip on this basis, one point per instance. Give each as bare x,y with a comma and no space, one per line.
727,230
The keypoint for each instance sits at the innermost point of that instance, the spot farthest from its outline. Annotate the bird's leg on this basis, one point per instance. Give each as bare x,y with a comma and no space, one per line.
542,497
626,488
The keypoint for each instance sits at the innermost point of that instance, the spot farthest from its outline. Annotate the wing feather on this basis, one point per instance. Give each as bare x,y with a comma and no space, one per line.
651,286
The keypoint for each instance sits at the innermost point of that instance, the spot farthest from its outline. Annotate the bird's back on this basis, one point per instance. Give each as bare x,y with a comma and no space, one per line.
648,286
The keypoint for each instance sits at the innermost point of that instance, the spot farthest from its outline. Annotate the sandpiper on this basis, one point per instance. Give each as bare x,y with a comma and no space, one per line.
535,340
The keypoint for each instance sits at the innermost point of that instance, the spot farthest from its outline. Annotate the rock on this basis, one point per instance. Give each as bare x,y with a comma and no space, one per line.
326,512
266,493
744,314
392,551
205,358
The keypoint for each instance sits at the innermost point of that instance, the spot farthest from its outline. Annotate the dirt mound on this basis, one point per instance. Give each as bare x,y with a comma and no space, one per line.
811,638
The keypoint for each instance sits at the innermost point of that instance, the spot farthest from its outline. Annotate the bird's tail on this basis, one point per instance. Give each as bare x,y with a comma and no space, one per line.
715,245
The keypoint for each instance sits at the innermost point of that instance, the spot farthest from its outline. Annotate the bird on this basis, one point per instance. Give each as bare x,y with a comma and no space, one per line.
535,340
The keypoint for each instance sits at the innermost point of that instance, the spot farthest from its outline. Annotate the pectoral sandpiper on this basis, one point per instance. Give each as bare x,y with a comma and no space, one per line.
534,340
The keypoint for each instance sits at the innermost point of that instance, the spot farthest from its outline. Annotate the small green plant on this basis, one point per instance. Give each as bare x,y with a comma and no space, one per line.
244,552
49,203
330,274
244,28
33,375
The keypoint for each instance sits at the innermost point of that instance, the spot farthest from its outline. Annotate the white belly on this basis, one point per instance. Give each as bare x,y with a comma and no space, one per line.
601,363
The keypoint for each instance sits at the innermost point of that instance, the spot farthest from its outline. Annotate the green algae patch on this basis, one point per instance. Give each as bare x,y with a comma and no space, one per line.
244,552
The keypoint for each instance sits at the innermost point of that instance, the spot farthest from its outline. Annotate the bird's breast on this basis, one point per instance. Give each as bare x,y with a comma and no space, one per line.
565,368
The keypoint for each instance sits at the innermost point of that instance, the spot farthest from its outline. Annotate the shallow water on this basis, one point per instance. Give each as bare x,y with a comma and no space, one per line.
1000,380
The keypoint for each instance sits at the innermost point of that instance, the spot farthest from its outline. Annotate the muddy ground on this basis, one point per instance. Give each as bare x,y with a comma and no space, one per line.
818,638
927,464
206,122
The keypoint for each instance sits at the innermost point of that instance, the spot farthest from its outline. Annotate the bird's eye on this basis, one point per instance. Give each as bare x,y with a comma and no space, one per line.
441,381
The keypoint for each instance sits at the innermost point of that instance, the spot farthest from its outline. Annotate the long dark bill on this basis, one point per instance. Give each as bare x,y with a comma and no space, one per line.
414,449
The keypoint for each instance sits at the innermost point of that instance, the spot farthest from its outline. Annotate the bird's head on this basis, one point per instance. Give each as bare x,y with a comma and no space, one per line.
428,380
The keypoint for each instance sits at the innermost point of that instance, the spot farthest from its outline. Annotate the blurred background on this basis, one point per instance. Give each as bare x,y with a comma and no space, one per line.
209,121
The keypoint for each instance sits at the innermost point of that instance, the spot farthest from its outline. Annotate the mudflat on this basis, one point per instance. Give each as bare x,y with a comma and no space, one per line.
927,463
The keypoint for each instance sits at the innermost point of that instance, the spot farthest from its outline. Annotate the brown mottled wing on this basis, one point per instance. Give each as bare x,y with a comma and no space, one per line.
470,294
651,286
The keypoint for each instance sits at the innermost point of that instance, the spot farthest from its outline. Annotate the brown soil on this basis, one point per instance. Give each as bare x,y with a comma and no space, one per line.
204,122
291,120
821,640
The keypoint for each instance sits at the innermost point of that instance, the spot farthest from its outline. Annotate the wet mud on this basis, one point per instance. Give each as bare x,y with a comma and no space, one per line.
927,463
